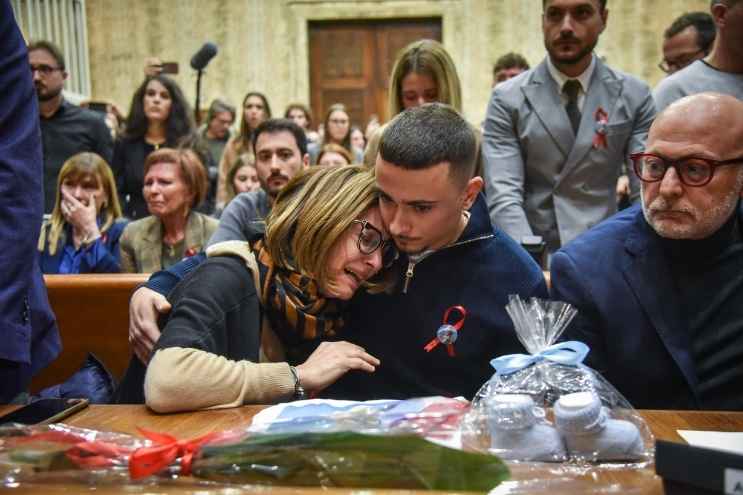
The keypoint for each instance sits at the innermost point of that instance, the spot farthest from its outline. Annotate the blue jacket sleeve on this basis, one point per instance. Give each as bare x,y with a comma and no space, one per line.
165,280
103,255
21,198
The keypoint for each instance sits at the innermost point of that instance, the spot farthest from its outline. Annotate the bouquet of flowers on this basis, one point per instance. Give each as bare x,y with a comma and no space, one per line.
400,458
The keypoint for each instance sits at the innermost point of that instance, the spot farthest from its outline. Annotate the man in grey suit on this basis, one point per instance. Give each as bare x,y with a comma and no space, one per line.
557,136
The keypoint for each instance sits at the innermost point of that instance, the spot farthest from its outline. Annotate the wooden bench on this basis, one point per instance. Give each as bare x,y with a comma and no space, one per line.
93,316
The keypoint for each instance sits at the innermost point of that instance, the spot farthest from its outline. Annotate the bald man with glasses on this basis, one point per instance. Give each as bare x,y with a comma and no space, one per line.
659,287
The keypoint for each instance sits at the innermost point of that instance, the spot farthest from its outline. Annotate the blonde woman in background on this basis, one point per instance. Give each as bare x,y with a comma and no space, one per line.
175,183
423,72
82,234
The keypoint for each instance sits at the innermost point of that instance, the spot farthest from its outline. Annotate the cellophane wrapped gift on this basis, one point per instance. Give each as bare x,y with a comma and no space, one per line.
378,445
547,406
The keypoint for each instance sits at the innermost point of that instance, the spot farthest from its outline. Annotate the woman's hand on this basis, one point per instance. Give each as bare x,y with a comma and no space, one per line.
330,361
82,218
145,306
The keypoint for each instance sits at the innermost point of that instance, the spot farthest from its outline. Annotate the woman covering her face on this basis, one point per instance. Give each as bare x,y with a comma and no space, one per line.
175,183
82,235
255,111
159,117
324,241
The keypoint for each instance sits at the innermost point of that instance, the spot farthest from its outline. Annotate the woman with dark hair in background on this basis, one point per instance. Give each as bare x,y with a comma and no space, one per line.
255,110
242,177
82,235
174,184
159,116
301,115
358,140
337,127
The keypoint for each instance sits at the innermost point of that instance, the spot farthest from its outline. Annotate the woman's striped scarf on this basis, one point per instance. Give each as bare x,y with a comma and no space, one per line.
293,304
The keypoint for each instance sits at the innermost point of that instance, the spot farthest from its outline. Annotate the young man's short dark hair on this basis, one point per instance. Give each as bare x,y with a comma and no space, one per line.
425,136
50,48
509,60
702,22
602,3
272,126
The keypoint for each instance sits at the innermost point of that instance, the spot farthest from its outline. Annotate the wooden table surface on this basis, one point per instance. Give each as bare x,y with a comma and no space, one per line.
526,478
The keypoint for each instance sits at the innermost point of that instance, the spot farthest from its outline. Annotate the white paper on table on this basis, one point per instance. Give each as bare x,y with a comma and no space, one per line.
720,440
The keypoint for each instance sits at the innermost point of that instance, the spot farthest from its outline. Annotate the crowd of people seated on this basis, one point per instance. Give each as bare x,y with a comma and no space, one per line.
291,258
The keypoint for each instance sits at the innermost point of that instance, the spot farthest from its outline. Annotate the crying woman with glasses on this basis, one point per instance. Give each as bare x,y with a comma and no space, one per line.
252,306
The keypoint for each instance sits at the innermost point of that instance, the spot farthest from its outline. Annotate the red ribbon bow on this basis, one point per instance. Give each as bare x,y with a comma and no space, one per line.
443,334
602,119
147,461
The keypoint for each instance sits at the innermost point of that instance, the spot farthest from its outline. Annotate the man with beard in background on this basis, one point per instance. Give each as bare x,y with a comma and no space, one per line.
556,137
65,128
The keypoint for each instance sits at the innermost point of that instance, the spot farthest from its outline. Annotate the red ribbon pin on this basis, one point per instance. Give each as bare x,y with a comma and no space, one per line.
602,119
447,333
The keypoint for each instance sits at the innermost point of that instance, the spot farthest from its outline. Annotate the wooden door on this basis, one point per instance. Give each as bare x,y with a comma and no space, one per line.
351,62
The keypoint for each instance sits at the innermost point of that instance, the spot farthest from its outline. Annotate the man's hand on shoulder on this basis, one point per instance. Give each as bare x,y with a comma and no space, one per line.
145,307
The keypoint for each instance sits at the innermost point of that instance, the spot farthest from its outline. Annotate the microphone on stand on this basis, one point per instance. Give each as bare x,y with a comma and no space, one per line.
205,54
198,62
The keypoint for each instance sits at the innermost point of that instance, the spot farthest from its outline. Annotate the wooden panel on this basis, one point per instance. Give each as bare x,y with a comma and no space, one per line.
351,62
93,316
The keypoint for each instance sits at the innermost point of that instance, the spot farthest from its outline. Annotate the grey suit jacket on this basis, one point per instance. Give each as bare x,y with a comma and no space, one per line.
141,243
543,180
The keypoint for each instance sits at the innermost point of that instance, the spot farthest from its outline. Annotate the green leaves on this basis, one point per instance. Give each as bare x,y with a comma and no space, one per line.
346,459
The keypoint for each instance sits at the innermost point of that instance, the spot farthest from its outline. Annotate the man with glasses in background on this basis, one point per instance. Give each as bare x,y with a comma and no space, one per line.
721,71
687,39
659,287
65,128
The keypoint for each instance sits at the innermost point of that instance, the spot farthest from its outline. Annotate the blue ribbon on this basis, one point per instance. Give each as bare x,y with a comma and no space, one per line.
570,353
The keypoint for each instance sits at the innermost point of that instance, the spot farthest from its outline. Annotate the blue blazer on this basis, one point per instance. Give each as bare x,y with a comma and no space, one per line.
617,277
102,256
30,339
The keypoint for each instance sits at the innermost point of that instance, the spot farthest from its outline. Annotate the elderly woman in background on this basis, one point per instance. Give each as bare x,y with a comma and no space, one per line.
159,116
324,241
337,127
175,183
82,234
334,155
255,110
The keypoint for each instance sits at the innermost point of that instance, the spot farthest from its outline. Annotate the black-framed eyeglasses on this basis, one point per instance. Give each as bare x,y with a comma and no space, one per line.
370,239
44,69
677,65
692,171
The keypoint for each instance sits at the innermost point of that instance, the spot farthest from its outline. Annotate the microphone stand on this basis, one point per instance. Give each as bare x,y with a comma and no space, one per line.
197,113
